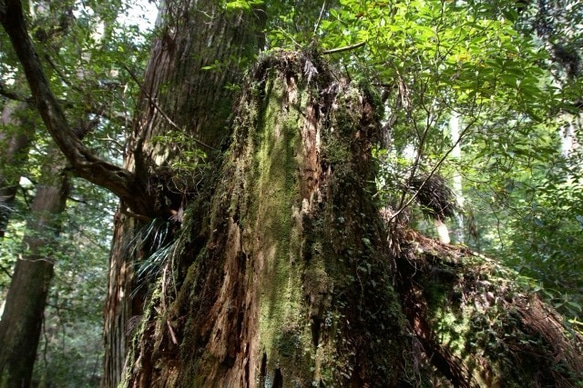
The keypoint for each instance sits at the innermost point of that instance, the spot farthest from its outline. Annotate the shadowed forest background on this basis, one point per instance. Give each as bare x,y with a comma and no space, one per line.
402,179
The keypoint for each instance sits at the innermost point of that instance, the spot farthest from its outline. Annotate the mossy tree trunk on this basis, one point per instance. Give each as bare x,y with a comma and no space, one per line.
283,274
289,279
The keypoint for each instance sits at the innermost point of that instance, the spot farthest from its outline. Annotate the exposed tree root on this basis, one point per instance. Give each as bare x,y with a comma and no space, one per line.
476,326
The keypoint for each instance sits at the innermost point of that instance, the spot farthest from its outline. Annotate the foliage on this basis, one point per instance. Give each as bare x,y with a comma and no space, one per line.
434,59
538,208
71,348
71,343
477,60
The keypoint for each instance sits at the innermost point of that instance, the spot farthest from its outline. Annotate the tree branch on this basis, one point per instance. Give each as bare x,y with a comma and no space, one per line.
12,95
433,170
6,272
84,163
345,48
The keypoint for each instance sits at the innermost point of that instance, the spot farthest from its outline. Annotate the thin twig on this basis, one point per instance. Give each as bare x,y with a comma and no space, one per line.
345,48
136,215
61,74
174,340
319,18
6,272
13,95
433,170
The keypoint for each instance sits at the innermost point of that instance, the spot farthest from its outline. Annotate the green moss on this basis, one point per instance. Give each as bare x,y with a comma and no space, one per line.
492,324
272,201
336,151
372,96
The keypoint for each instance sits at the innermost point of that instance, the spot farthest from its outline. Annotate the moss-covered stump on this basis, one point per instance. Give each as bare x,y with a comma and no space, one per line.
284,275
289,282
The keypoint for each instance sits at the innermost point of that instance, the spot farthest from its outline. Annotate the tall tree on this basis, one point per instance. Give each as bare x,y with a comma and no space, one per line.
182,119
267,262
20,326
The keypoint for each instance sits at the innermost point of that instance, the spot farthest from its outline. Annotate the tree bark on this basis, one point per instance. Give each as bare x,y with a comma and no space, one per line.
20,326
181,99
291,277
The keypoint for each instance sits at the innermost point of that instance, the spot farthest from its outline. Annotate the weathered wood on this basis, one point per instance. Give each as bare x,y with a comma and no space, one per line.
293,265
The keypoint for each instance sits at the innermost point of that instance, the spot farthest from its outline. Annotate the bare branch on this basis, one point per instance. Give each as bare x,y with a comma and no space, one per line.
319,18
6,272
345,48
12,95
462,135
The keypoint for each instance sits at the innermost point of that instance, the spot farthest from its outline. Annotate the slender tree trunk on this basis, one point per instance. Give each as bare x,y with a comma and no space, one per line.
455,125
15,139
20,326
121,315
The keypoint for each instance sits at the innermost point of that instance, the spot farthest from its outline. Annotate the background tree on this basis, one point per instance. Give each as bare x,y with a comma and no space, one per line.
21,323
16,137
